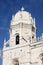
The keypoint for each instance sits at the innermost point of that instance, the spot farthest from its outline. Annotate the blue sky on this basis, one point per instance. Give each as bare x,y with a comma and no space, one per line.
9,7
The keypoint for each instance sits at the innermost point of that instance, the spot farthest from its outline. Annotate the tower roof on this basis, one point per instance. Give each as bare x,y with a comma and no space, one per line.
22,16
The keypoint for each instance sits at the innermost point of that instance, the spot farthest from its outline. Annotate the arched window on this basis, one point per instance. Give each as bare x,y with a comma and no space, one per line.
15,62
17,39
41,57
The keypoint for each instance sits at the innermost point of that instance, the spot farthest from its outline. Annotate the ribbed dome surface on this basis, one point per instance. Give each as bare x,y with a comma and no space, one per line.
22,15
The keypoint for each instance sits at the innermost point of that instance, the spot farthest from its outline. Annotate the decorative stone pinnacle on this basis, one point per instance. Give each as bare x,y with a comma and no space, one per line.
4,40
22,9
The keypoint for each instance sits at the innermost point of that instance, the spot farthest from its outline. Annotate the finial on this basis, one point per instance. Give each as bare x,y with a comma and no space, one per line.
4,40
42,35
12,15
34,20
22,9
5,43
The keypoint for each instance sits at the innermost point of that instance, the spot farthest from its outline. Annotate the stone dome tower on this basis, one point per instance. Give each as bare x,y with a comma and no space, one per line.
23,24
22,50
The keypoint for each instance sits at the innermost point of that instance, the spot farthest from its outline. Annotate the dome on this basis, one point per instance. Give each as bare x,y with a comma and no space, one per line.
22,15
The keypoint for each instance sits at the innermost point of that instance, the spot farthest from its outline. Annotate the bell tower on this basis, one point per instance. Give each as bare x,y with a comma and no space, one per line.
22,33
23,27
23,48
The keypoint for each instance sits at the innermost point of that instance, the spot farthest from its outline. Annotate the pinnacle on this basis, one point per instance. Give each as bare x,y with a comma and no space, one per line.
22,9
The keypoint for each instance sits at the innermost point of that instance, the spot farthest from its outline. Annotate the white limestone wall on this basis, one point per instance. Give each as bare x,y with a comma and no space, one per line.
35,55
24,32
21,53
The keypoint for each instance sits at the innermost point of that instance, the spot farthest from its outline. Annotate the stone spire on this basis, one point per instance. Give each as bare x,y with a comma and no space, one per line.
34,21
4,43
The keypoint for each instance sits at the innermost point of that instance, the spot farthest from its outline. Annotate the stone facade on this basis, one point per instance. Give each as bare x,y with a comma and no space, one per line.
24,48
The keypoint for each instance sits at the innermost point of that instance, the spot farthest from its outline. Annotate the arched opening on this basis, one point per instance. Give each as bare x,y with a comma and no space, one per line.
41,57
17,39
15,62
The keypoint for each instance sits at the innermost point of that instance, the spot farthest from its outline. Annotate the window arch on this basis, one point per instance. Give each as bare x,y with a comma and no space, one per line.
17,39
15,62
41,57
